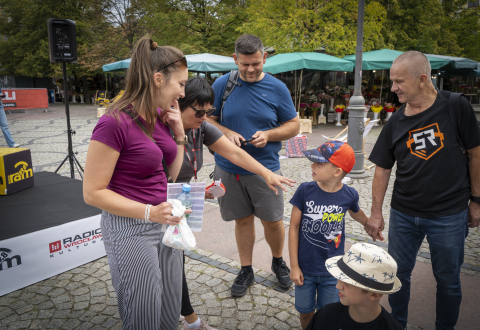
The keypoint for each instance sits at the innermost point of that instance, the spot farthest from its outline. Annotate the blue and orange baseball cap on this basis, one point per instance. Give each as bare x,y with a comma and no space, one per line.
336,152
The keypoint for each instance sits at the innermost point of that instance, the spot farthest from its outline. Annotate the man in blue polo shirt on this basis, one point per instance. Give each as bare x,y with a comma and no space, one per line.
259,108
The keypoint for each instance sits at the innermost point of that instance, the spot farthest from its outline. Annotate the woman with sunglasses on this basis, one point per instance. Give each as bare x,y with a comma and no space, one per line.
129,155
195,107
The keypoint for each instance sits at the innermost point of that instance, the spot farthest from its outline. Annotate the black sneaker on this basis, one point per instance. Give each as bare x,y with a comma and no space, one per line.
241,283
283,275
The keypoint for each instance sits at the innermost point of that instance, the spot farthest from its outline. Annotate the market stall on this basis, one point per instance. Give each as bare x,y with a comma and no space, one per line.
314,79
376,86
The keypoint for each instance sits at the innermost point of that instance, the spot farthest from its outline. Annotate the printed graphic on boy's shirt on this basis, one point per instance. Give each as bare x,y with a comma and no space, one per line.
425,142
323,220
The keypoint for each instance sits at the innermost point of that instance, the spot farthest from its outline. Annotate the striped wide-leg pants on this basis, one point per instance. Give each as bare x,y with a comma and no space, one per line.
146,274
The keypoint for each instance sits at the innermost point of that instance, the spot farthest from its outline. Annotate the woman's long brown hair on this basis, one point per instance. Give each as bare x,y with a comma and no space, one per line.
140,86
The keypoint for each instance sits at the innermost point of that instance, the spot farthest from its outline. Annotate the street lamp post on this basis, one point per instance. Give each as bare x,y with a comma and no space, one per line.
356,125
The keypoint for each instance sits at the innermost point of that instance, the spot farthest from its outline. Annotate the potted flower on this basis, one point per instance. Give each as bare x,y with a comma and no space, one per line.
339,109
303,106
81,98
389,108
376,108
323,99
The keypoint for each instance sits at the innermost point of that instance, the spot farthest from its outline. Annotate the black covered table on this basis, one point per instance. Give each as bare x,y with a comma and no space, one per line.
46,230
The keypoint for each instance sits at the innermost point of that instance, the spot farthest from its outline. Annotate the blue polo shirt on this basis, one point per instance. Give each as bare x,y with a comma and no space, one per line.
252,107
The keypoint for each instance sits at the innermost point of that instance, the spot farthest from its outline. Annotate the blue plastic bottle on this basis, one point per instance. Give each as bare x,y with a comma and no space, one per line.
185,197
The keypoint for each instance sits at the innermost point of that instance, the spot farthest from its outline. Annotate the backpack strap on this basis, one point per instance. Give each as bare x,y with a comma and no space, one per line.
454,111
231,83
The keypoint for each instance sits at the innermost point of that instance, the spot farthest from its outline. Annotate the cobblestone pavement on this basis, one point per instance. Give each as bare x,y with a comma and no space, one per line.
83,298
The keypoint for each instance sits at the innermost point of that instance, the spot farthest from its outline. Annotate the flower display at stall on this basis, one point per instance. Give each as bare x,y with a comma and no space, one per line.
339,108
323,98
389,108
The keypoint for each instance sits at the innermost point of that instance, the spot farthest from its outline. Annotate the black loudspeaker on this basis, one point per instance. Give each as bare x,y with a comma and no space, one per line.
62,40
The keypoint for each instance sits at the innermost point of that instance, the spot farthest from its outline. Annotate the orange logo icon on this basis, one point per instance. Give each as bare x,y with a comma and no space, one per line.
425,142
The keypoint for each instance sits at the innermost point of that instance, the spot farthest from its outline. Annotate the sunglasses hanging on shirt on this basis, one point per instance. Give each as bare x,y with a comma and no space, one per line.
199,113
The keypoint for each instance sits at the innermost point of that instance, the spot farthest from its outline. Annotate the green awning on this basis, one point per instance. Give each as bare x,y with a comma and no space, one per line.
117,66
310,61
196,63
457,62
382,59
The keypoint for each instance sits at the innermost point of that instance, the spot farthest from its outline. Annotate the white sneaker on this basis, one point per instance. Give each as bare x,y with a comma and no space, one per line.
16,145
181,318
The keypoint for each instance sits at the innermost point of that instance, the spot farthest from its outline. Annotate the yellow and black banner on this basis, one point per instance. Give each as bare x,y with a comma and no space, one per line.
16,171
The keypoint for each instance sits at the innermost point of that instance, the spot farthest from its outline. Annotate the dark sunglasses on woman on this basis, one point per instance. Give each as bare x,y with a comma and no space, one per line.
199,113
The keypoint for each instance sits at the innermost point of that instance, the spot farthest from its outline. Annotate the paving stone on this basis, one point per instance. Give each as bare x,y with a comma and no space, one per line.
29,315
24,309
85,297
67,305
61,314
244,306
269,283
19,325
244,316
55,324
80,291
246,325
109,323
110,310
215,311
215,321
61,299
98,293
226,313
71,324
98,308
45,305
38,324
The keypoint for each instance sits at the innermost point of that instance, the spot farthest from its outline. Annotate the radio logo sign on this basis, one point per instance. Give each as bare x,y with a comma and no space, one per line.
7,261
55,246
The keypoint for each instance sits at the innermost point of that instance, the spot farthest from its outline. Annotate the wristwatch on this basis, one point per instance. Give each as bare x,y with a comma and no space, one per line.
181,143
475,199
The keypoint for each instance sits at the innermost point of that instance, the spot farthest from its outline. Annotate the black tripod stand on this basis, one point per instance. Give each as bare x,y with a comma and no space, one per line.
71,155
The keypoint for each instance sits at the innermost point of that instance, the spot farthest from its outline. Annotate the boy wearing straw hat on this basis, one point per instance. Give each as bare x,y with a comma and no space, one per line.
364,275
317,226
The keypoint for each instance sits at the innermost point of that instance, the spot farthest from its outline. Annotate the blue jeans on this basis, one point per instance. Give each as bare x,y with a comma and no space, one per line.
4,126
446,237
323,288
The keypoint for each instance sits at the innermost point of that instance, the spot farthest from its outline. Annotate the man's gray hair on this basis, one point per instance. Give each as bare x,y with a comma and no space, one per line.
248,44
418,63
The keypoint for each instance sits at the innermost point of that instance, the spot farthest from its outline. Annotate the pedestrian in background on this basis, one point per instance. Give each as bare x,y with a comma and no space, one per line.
4,124
433,184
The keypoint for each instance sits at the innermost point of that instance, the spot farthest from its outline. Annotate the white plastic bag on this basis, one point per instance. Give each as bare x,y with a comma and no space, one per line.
179,236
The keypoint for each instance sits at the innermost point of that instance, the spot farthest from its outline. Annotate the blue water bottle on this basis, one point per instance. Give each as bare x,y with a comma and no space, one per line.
185,197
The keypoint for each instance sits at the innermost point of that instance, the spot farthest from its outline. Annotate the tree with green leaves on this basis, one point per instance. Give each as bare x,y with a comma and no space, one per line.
306,25
196,26
444,27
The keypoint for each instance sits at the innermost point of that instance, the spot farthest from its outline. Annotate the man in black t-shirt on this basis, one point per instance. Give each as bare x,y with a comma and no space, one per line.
433,184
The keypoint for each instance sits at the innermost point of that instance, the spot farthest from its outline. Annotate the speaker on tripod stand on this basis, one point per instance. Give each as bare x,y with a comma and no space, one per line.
62,42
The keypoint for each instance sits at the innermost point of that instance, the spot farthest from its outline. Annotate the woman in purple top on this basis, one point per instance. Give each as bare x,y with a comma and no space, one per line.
124,177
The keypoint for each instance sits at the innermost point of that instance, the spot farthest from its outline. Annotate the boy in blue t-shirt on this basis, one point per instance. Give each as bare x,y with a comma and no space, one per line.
317,226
